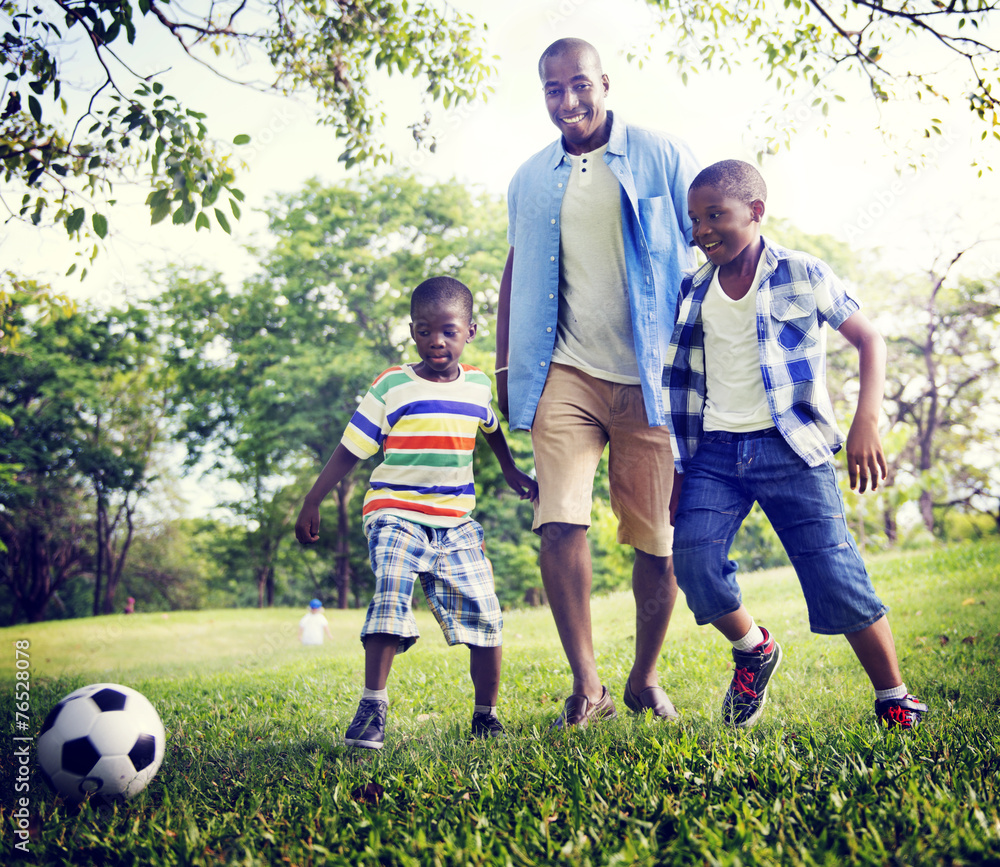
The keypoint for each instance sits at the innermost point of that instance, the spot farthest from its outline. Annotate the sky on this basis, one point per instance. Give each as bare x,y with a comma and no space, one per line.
839,176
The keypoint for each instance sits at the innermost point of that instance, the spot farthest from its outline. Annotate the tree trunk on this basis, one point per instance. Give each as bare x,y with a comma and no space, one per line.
99,548
891,527
116,564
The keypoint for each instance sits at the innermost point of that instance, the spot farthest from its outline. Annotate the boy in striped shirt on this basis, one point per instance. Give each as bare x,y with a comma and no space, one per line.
425,417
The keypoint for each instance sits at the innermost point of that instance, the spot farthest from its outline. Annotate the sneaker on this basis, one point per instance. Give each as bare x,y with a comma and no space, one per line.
580,711
747,693
486,725
651,698
904,713
368,726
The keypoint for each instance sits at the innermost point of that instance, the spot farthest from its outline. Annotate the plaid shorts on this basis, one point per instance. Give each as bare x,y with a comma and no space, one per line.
454,572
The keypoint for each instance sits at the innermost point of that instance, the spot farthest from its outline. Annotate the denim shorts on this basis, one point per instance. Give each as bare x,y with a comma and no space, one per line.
457,580
728,473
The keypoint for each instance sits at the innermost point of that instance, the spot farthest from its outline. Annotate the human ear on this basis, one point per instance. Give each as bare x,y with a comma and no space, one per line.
757,209
473,327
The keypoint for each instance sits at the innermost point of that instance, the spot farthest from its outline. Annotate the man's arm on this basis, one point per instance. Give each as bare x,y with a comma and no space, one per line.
865,458
340,464
503,334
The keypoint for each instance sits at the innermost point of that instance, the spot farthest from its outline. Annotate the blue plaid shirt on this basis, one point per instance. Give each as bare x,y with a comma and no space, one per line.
797,294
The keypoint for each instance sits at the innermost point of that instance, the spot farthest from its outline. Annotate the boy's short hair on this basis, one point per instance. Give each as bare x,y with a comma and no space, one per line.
441,291
733,178
568,45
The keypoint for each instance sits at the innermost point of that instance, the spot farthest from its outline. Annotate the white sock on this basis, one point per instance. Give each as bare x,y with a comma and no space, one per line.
893,692
380,694
489,710
749,641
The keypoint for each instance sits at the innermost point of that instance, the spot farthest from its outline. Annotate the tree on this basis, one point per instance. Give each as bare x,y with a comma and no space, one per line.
64,159
267,375
78,450
901,50
942,390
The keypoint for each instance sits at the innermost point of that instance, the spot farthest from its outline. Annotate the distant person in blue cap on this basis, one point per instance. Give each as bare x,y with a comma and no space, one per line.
313,624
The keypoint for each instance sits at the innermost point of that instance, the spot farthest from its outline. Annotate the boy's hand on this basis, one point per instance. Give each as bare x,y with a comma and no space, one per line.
525,486
307,525
865,458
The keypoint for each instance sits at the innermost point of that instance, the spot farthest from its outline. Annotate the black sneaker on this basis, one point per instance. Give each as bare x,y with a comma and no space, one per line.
367,729
486,725
904,713
747,693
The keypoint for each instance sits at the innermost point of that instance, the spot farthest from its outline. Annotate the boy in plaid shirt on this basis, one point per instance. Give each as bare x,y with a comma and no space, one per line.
425,417
751,420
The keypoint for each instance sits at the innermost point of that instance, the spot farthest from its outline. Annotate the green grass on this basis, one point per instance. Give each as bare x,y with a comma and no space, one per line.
255,774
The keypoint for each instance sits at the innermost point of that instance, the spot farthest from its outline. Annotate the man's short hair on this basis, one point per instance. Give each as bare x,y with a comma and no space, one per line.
733,178
440,292
568,45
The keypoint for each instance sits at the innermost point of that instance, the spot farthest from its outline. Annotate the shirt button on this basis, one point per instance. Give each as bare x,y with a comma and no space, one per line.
548,329
553,222
560,186
541,364
552,259
551,295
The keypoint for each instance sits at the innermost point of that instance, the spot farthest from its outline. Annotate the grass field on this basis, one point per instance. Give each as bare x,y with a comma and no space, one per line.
255,774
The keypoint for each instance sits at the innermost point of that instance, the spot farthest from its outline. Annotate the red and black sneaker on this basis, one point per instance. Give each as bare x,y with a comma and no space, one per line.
904,713
744,701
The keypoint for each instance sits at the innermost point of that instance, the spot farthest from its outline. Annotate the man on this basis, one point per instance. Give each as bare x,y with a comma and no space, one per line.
599,222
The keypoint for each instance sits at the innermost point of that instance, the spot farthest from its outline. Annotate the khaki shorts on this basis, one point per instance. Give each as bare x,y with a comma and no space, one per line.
577,416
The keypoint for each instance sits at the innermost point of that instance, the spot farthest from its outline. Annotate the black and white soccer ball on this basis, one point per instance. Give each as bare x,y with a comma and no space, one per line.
103,741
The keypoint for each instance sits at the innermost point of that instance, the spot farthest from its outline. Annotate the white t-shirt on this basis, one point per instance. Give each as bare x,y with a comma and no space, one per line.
312,624
735,398
595,319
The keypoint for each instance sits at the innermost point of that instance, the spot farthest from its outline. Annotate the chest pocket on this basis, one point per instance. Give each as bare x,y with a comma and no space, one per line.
658,221
796,324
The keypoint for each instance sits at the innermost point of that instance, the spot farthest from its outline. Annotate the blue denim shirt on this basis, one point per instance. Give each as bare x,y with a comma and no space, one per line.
655,172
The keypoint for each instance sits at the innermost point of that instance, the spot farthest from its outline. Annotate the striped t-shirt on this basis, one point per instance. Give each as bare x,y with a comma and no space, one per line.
428,432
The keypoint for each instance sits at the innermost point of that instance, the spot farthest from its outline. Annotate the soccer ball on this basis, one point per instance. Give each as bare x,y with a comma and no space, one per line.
104,741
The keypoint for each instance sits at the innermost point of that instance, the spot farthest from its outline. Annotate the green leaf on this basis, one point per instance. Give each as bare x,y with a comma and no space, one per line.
185,213
100,224
75,220
235,208
242,139
223,221
159,211
201,222
36,109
